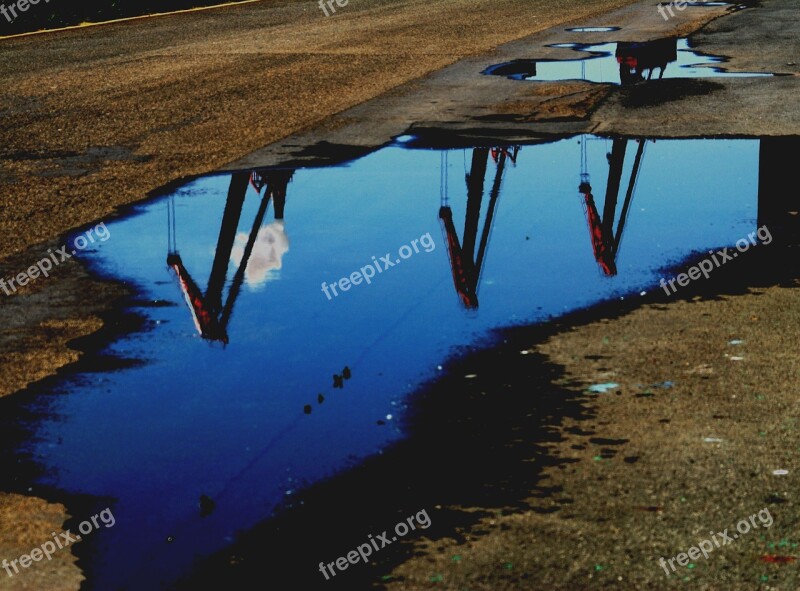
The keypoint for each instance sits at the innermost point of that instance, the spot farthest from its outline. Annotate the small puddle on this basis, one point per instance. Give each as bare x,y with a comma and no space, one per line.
621,63
695,4
236,399
593,29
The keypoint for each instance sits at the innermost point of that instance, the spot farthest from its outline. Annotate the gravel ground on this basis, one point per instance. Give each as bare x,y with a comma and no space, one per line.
651,469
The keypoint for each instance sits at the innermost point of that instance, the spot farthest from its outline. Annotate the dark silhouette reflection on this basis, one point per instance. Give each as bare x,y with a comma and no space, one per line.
778,197
636,62
211,315
606,242
465,262
637,59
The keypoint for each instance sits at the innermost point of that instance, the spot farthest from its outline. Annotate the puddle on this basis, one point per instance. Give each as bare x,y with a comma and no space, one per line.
621,63
243,339
593,29
695,4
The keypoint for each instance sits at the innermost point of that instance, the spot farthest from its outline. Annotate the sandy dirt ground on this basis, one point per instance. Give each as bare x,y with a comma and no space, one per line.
653,468
27,524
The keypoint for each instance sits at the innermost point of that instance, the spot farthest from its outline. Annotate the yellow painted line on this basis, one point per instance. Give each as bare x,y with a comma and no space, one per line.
130,18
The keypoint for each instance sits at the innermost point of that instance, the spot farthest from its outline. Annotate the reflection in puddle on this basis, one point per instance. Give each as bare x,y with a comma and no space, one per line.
249,422
621,63
465,263
254,254
605,241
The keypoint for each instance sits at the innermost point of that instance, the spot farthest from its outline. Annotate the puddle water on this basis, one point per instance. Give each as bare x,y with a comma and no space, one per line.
621,63
244,336
695,4
593,29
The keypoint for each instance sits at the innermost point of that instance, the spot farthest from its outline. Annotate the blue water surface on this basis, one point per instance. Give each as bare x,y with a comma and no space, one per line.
201,417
